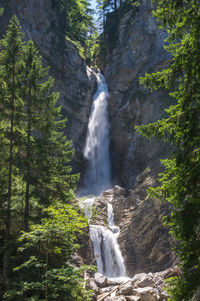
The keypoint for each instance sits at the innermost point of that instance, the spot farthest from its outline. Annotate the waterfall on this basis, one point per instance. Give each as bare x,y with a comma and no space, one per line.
106,249
97,177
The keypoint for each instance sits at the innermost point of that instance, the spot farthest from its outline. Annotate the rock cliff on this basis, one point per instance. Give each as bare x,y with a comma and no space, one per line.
41,21
145,243
139,50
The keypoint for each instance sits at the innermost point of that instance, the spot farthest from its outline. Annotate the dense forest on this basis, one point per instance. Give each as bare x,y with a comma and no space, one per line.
40,219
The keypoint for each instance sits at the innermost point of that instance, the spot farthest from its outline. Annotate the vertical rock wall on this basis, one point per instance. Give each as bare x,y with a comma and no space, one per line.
139,50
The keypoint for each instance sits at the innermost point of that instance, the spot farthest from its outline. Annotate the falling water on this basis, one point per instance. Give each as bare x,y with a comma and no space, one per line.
106,249
97,177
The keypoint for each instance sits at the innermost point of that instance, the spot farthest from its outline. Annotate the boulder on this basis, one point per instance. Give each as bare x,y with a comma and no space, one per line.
145,280
118,191
138,277
115,281
100,280
126,289
92,285
146,293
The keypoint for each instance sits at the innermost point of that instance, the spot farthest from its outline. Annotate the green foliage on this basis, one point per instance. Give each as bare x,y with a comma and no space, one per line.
74,23
80,24
180,182
36,181
46,273
79,20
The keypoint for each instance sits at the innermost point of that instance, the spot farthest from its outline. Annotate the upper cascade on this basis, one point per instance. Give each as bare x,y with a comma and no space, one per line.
96,151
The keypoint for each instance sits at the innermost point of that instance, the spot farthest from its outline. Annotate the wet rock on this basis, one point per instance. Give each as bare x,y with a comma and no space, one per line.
100,280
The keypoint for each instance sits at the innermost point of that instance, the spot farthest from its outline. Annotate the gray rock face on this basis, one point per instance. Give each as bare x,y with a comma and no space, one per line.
145,243
139,50
40,21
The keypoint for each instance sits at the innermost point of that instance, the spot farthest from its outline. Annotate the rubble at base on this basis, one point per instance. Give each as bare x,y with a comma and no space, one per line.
142,287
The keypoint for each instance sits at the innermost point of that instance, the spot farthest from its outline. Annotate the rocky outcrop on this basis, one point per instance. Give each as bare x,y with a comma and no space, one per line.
142,287
139,50
41,22
145,243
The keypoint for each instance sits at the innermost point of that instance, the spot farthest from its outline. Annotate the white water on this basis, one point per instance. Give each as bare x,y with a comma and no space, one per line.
97,177
106,249
87,205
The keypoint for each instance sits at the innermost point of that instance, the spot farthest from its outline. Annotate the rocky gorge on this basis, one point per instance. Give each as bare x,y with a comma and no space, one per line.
145,243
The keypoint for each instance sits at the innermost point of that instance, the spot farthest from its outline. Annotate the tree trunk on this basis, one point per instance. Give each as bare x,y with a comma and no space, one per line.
27,195
46,283
10,167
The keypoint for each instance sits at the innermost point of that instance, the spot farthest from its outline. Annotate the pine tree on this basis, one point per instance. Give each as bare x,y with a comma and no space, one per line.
180,182
35,154
10,65
45,152
79,20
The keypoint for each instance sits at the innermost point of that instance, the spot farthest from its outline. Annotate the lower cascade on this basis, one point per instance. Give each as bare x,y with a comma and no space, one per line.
97,179
106,249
